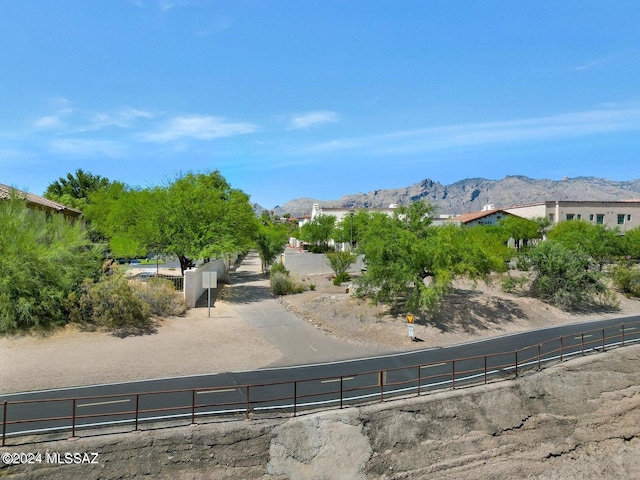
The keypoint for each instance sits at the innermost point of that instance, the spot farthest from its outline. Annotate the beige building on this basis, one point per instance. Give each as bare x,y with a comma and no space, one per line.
38,203
623,215
341,212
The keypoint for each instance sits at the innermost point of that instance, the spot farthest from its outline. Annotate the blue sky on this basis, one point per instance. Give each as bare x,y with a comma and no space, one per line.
307,98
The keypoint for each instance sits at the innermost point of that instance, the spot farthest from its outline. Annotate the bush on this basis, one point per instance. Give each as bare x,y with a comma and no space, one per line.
341,277
43,258
324,248
512,284
626,279
109,303
278,268
562,277
161,296
283,284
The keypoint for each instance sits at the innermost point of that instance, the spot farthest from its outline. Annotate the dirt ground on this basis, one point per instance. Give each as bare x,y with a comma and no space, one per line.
195,344
471,312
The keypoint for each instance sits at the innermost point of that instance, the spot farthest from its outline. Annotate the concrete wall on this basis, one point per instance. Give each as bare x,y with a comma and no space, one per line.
193,288
313,263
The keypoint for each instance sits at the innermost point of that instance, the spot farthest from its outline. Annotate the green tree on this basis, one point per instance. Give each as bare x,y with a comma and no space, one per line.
43,258
543,224
196,216
319,230
518,228
348,229
630,243
598,242
74,189
270,242
409,260
561,276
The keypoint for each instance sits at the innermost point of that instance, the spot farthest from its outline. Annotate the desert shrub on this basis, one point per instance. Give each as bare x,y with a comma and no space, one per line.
340,263
323,248
626,279
561,277
161,296
512,284
110,303
341,277
283,284
278,268
42,259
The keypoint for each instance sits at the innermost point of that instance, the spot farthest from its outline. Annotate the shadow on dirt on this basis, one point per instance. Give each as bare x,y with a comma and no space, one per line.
471,311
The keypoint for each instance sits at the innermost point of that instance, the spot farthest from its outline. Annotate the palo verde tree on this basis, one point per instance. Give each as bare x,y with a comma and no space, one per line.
561,276
43,258
409,260
319,230
271,239
348,229
522,230
195,216
602,245
631,243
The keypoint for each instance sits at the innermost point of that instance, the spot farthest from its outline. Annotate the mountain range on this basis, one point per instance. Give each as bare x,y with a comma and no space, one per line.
471,194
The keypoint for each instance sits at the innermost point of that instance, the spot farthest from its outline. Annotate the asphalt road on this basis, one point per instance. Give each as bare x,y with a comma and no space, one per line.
312,385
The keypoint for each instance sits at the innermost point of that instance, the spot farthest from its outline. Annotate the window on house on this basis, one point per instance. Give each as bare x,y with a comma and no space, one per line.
620,219
591,217
569,216
551,217
600,218
629,218
579,216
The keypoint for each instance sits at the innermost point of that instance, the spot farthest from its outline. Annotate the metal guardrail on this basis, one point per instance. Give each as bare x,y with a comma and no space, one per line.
312,393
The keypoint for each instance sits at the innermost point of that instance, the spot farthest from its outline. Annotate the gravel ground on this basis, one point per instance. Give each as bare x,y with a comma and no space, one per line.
470,313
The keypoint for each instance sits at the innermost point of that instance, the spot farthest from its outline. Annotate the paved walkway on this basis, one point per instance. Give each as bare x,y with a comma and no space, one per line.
298,341
248,330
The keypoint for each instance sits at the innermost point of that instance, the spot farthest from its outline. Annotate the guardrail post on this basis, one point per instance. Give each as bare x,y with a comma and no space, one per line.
4,422
137,410
516,352
539,358
295,398
247,404
603,347
622,334
73,419
341,390
582,344
561,349
453,374
419,379
381,378
193,406
485,369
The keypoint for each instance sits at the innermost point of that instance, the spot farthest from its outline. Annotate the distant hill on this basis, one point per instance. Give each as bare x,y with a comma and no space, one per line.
472,194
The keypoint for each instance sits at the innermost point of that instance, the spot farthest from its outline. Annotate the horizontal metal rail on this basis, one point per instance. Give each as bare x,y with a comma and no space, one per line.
312,393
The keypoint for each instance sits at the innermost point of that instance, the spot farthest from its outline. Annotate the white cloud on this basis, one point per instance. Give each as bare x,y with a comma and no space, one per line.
311,119
200,127
48,122
86,148
567,125
122,118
